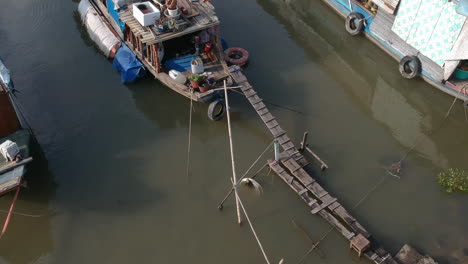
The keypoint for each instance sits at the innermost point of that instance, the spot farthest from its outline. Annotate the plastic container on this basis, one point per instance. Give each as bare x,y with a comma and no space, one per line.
461,74
146,13
177,76
197,66
462,7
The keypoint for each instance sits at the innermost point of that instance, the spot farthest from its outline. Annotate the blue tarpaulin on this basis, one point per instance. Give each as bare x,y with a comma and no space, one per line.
128,65
115,14
181,64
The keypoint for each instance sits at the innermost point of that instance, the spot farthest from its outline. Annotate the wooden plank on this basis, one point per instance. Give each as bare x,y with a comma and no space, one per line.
271,124
292,152
317,190
283,139
259,106
292,166
312,203
335,223
287,145
278,132
323,206
304,178
255,101
343,214
301,161
267,117
303,191
12,165
263,111
334,205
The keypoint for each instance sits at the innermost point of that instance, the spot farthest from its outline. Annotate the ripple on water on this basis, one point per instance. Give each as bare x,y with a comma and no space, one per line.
42,13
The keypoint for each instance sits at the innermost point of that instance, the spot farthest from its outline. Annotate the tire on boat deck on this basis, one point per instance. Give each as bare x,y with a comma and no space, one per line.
410,67
217,109
354,23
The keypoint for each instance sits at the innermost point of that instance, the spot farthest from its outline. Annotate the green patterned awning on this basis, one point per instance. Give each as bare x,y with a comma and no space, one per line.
431,26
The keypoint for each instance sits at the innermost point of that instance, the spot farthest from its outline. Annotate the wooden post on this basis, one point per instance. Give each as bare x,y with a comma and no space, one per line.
10,212
234,176
277,152
156,60
323,165
304,141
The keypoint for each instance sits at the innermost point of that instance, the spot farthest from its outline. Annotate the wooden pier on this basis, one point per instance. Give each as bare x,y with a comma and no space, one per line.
290,168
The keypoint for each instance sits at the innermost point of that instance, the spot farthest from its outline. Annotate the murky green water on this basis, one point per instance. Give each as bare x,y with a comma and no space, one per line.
112,186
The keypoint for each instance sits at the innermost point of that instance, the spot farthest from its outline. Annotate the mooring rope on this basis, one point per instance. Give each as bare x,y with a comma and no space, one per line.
189,134
22,214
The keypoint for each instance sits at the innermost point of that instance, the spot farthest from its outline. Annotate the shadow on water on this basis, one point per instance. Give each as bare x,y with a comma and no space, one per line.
169,110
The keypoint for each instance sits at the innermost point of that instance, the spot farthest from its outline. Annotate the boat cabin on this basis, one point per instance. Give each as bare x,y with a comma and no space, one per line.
166,39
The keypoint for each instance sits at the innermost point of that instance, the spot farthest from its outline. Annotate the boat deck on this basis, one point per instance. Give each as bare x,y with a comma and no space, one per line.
201,16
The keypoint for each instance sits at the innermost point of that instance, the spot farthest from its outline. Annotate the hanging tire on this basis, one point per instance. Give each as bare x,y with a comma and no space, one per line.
217,109
465,104
410,67
354,23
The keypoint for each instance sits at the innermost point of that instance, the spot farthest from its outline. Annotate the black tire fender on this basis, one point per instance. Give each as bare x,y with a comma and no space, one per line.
214,113
410,67
354,23
465,104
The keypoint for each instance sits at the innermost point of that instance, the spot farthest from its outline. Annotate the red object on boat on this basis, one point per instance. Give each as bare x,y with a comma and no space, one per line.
208,46
236,56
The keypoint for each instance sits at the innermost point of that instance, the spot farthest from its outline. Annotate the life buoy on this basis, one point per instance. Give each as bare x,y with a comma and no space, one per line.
236,56
217,109
410,67
354,23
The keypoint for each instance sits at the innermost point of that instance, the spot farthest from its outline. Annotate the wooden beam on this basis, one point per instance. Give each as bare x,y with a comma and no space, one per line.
13,165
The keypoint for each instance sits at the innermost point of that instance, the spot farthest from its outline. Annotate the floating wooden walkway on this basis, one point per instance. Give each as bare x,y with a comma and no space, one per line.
291,169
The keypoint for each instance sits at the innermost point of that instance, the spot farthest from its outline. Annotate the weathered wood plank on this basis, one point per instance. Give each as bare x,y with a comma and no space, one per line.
324,205
283,139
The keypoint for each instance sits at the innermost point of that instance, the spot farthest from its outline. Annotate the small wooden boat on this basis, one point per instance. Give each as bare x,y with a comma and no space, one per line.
168,45
14,142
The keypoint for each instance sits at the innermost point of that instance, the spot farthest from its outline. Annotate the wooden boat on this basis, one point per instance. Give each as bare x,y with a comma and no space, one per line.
378,28
194,34
11,130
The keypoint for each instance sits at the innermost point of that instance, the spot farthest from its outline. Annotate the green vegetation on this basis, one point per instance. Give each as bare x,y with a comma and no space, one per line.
196,77
454,180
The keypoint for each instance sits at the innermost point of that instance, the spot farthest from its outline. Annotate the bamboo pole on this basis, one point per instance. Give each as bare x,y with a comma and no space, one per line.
234,176
253,230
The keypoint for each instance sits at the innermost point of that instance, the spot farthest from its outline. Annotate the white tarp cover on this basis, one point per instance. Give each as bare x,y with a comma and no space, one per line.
459,52
97,29
9,150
